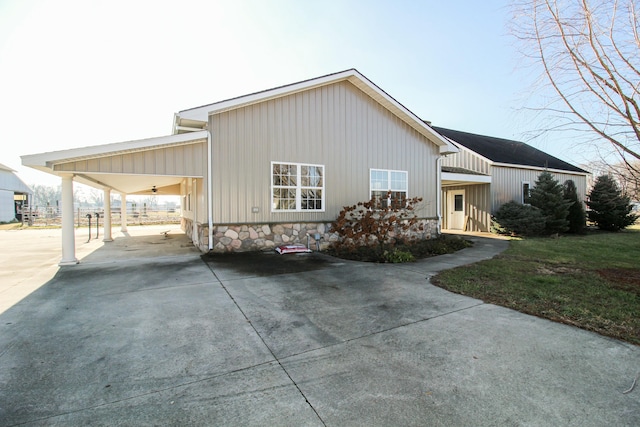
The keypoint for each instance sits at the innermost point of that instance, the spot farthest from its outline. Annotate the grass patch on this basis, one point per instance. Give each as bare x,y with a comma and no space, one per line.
441,245
590,281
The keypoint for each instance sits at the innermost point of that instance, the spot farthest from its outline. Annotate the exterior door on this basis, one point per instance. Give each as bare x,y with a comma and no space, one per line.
456,209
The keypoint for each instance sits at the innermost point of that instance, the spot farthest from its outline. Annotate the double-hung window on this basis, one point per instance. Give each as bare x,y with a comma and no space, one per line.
388,187
297,187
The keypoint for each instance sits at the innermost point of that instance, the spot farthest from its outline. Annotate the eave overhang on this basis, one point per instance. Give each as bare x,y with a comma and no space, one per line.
201,114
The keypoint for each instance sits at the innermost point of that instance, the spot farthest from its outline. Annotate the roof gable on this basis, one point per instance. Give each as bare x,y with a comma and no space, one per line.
353,76
9,181
507,151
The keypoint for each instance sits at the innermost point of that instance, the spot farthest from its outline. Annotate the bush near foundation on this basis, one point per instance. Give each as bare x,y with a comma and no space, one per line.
367,224
373,233
523,220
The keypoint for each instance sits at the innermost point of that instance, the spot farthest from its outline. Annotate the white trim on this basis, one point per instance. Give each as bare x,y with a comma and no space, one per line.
352,76
539,168
464,177
451,202
461,147
388,171
438,194
298,188
522,183
209,189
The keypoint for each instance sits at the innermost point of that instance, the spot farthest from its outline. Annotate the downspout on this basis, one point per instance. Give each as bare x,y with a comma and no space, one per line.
439,193
209,190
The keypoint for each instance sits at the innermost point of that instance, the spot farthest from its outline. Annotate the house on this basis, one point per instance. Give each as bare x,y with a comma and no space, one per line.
487,172
14,193
267,168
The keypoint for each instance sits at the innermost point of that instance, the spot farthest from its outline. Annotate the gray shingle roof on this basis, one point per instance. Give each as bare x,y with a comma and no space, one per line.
507,151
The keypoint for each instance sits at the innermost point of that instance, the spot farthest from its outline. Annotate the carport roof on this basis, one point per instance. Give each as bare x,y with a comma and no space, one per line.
46,162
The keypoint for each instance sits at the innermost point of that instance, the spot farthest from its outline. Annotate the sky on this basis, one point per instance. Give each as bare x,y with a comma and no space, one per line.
76,73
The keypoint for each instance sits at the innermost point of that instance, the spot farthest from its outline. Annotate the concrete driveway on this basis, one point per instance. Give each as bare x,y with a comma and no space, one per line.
143,332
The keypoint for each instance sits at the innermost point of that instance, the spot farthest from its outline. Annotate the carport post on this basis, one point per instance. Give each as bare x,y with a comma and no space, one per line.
68,232
123,212
107,216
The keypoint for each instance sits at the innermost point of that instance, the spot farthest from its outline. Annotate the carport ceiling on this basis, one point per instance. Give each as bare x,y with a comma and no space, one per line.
133,184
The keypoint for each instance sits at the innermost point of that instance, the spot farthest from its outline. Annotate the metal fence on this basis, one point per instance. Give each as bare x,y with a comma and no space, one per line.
48,216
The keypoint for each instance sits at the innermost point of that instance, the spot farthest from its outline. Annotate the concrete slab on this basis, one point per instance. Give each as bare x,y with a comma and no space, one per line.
483,366
298,312
100,334
262,396
29,257
156,336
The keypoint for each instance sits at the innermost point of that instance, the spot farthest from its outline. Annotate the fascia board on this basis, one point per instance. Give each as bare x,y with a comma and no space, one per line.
202,113
451,176
461,147
539,168
353,76
44,161
379,95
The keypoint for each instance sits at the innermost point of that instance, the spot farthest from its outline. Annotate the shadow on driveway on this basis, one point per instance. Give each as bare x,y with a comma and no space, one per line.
293,340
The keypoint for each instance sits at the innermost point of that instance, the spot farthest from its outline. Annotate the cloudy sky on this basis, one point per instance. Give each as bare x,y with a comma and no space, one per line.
75,73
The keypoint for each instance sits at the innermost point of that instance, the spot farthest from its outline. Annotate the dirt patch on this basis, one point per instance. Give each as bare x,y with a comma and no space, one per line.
626,279
551,270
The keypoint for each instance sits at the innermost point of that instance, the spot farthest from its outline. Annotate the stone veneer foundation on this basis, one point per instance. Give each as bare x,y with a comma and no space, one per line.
257,237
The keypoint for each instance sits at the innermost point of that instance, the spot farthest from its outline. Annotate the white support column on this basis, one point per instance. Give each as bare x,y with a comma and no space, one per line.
68,232
123,212
107,216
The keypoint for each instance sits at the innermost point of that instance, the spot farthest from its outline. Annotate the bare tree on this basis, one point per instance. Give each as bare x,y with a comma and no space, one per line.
589,53
623,175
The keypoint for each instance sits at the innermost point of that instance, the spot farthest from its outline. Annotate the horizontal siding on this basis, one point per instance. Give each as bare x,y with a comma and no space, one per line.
467,160
477,206
507,183
337,126
183,160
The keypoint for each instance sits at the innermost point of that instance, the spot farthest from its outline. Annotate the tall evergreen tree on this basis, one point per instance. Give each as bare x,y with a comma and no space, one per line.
577,216
609,208
547,195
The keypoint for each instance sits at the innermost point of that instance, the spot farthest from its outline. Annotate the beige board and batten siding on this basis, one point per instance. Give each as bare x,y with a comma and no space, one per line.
179,160
477,199
337,126
468,160
507,183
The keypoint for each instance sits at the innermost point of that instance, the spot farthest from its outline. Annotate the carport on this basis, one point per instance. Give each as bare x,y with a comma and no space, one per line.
167,165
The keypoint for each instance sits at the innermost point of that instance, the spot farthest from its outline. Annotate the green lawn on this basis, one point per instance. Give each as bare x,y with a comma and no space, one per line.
590,281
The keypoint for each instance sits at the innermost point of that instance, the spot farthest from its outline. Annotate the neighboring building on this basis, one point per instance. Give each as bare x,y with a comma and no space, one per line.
271,167
488,172
14,193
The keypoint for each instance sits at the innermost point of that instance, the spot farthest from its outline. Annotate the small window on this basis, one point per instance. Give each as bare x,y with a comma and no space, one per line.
526,192
297,187
388,187
457,203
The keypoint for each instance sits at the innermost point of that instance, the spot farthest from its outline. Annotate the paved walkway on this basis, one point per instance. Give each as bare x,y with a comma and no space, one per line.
294,340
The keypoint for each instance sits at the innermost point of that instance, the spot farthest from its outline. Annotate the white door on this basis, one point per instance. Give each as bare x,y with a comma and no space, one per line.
456,209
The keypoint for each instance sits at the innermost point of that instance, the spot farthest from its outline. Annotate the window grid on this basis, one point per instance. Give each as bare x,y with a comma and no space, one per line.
297,187
384,181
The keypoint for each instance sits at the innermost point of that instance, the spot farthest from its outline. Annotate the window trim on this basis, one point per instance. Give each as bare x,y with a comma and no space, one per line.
522,184
389,172
298,187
